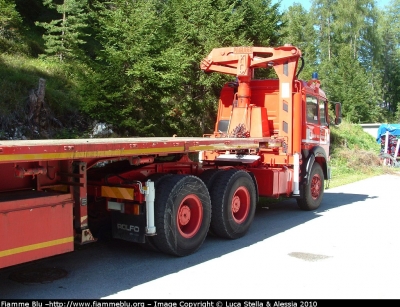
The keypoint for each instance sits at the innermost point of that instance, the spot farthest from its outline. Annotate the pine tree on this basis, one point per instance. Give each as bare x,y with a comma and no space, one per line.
63,36
131,73
348,49
390,59
301,33
150,60
198,27
10,19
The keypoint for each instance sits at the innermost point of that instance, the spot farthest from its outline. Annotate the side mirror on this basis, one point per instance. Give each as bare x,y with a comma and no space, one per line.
338,113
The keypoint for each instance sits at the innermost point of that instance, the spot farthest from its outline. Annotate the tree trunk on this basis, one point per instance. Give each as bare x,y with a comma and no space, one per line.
36,101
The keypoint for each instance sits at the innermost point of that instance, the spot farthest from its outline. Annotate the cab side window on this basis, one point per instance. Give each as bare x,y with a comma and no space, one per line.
322,113
312,110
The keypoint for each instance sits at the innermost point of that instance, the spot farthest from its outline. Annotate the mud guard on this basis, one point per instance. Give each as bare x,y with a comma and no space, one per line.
129,227
316,152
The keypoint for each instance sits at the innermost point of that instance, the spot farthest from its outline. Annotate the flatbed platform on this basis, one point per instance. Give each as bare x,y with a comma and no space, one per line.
41,150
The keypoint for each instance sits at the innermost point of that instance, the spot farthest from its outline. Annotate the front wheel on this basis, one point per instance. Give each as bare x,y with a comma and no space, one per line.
312,192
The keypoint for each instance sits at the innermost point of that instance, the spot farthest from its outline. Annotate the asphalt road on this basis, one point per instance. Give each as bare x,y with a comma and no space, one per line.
348,248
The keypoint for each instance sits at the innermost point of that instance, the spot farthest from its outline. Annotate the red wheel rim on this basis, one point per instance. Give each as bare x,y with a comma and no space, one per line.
316,184
240,205
190,216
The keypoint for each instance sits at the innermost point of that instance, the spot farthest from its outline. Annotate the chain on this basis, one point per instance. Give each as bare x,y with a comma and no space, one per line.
240,132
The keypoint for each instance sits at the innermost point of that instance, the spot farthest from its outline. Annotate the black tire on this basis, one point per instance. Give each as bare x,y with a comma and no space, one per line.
233,202
209,175
156,177
312,193
182,215
149,240
256,186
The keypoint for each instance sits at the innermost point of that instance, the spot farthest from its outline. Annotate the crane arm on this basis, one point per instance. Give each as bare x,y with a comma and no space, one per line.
240,61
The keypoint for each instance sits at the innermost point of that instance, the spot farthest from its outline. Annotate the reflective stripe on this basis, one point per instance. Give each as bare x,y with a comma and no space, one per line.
87,154
117,192
28,248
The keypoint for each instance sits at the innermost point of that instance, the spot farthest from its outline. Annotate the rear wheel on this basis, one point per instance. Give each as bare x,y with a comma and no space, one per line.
312,192
233,199
182,215
208,176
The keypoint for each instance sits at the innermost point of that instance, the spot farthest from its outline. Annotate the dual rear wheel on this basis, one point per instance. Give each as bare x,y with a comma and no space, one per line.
186,208
221,202
233,200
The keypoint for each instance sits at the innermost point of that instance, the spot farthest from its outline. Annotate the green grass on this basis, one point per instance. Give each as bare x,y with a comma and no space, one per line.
337,180
19,75
354,155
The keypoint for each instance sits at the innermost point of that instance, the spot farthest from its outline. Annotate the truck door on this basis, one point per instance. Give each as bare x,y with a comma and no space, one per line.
317,132
324,129
312,119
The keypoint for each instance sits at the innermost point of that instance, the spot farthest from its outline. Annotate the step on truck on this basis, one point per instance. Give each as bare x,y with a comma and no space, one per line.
271,139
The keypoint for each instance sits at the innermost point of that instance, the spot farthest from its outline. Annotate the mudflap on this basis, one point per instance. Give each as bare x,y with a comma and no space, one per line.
129,227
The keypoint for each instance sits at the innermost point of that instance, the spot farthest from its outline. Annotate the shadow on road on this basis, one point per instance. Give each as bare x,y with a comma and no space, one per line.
109,266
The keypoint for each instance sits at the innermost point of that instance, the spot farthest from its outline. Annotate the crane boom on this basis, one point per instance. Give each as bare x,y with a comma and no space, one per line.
241,61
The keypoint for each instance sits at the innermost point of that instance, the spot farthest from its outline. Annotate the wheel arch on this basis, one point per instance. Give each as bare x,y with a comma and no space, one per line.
318,155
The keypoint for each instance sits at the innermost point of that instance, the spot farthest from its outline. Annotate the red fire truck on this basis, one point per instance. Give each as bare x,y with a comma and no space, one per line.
271,139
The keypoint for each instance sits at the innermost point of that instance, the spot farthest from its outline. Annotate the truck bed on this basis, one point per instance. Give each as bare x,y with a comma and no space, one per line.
39,150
